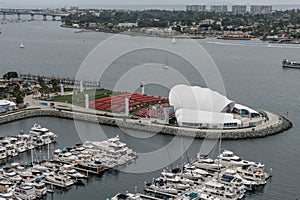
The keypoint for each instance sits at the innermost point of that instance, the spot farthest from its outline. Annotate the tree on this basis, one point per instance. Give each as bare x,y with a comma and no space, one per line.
10,75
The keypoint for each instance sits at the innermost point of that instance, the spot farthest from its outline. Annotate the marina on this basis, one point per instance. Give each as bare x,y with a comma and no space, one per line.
228,182
242,58
29,180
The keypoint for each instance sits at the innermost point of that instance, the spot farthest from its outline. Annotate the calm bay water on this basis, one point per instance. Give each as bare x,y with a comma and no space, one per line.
252,75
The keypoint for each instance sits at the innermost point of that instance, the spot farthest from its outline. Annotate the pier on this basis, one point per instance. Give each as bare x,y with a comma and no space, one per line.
160,193
70,82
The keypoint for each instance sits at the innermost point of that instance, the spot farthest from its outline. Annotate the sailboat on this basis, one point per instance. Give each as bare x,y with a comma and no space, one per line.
173,40
22,45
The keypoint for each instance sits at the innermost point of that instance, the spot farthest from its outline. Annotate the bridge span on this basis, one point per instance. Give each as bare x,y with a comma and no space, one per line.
32,13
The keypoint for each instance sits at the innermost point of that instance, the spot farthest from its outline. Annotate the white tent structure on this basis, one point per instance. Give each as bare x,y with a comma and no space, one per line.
203,108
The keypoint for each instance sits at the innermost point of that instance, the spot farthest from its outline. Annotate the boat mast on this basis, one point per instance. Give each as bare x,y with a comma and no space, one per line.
220,144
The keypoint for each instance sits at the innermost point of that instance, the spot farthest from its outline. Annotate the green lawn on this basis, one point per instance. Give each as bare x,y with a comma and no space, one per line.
79,98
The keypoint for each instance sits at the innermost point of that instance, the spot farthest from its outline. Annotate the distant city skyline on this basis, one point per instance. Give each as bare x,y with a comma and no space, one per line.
137,2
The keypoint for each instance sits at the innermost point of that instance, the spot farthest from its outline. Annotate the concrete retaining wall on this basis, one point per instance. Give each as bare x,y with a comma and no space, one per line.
282,125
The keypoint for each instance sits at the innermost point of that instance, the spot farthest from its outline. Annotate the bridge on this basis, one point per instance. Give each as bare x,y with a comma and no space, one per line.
32,13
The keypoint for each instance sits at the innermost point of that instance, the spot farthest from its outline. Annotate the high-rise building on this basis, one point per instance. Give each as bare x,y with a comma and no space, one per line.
219,8
196,8
239,9
260,9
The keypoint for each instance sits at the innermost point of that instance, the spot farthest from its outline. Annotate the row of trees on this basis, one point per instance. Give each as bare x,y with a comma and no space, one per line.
262,23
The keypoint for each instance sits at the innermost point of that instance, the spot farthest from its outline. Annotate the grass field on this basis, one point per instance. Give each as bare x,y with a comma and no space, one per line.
79,98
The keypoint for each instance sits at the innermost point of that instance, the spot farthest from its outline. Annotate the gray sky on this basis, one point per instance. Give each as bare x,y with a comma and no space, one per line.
16,3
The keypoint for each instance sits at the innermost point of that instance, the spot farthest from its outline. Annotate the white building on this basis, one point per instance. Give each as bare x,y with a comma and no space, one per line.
260,9
219,8
196,8
6,105
240,9
203,108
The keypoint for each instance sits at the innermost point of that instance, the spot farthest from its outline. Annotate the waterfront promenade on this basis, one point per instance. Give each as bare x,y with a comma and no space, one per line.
276,123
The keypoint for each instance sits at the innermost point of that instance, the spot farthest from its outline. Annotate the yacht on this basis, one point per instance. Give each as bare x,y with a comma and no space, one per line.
206,163
6,193
219,190
60,180
65,157
127,196
11,150
252,173
10,174
227,158
20,146
3,153
38,130
24,191
37,141
163,188
40,187
46,139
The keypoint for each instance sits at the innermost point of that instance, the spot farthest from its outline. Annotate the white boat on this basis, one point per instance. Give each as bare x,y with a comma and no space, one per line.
252,173
6,193
73,173
227,158
164,189
11,150
3,153
206,163
127,196
24,192
22,45
65,157
173,40
46,139
38,130
40,187
60,180
219,190
21,146
10,174
37,141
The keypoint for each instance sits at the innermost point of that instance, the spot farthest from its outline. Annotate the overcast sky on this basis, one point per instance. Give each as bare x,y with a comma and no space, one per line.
124,2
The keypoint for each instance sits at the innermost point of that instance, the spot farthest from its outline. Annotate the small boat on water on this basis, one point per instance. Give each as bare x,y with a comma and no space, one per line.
22,45
290,64
24,191
6,193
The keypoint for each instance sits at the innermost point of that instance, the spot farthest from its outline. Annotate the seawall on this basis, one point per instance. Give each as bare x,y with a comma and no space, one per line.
278,125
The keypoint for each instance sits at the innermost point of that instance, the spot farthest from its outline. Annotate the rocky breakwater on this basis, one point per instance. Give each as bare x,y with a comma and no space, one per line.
276,124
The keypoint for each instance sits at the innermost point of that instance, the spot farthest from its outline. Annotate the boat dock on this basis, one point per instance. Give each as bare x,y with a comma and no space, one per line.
148,197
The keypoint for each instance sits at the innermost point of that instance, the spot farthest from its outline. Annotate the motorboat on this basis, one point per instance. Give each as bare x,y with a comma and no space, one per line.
20,146
10,174
127,196
24,191
46,139
6,193
227,158
3,153
252,173
219,190
206,163
38,130
40,187
60,180
11,150
65,157
163,188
